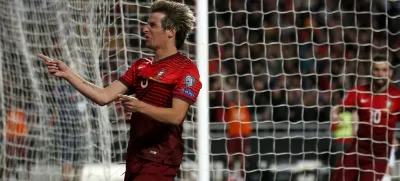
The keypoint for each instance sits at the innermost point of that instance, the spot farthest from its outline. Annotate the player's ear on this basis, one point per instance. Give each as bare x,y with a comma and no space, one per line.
171,33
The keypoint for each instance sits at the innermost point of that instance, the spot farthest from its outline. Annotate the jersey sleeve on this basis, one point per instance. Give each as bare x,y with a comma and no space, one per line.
129,78
349,99
189,85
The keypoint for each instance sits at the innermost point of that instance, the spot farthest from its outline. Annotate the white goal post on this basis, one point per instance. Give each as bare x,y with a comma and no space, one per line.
203,116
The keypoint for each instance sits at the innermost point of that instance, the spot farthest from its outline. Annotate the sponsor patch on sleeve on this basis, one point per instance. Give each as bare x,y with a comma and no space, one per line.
188,92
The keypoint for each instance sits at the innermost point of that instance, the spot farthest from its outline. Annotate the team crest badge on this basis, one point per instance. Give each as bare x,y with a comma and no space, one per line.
389,104
160,73
189,81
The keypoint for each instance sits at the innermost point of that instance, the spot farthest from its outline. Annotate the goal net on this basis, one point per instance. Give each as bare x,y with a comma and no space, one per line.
46,124
277,65
276,69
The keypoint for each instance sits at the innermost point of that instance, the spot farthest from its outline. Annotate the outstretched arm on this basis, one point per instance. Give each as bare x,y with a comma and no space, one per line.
101,96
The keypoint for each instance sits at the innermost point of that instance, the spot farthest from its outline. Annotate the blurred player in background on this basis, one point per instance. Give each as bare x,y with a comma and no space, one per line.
69,131
378,107
165,86
16,131
239,128
67,120
343,133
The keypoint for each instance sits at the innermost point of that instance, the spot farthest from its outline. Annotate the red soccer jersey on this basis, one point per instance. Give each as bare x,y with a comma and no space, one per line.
157,84
378,114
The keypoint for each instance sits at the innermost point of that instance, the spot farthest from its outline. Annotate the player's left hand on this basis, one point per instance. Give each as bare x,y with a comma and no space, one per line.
130,104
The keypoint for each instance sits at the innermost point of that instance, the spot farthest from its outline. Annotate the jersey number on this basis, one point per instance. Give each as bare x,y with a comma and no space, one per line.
375,116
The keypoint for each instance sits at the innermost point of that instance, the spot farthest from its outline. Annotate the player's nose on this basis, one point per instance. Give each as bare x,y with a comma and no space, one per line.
145,29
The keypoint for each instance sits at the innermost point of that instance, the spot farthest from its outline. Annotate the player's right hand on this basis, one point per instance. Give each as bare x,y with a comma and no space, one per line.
336,118
55,67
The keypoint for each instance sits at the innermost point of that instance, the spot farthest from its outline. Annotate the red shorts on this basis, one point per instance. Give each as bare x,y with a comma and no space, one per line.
353,167
145,170
238,145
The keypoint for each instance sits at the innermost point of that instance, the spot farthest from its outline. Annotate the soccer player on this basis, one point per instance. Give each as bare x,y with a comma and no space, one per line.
165,86
69,127
16,133
238,119
378,106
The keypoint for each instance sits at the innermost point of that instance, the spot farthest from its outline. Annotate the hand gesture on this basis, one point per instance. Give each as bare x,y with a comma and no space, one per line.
336,118
130,104
55,67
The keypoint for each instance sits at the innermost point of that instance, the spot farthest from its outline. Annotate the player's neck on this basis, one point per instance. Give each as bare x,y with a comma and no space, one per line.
162,53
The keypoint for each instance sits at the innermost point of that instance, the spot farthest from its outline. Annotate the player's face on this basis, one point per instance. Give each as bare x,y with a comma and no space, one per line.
381,71
154,33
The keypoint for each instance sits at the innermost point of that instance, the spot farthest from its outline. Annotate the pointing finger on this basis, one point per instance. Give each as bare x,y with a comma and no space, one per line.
44,57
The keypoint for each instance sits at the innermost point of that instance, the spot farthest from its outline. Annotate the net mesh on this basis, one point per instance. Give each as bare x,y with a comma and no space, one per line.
282,65
278,66
46,122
